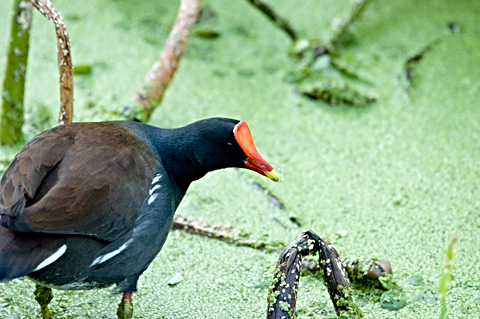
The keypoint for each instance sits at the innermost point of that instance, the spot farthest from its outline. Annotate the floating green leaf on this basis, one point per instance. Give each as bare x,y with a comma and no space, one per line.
427,298
415,281
393,300
82,69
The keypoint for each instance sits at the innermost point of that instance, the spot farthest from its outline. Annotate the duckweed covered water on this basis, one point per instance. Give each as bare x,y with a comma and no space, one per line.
394,180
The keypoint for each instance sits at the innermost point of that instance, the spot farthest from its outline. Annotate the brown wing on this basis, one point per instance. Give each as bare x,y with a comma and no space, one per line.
83,178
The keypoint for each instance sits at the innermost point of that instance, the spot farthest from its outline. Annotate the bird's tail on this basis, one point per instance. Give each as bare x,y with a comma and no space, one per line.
23,253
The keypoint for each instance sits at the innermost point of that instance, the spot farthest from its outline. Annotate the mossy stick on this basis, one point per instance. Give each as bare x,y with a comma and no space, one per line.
65,66
162,72
11,116
447,274
282,295
283,292
337,282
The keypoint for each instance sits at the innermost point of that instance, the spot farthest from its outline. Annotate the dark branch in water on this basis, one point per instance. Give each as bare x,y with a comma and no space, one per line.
416,58
283,292
272,198
275,18
343,29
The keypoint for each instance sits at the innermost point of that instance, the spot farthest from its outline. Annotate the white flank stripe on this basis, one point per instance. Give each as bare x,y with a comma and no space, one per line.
156,178
152,198
104,258
52,258
154,188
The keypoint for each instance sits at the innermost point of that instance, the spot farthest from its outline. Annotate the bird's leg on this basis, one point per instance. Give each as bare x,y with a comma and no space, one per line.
43,295
125,308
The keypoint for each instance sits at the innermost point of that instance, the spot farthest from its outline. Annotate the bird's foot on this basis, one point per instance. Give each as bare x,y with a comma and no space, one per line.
43,295
125,308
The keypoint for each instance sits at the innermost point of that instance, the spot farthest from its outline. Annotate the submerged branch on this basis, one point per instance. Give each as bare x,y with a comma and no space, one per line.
11,115
163,70
200,227
275,18
342,27
65,66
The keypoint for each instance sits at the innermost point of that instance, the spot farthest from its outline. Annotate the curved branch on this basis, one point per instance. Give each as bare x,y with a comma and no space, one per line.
65,66
163,70
275,18
283,292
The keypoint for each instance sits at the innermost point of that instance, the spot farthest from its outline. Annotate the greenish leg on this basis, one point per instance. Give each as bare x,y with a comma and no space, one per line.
43,295
125,308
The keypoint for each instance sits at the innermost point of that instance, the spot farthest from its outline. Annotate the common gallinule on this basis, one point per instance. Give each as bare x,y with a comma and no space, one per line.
89,205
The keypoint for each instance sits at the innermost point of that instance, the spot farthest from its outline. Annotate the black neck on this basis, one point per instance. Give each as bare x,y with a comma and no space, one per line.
176,149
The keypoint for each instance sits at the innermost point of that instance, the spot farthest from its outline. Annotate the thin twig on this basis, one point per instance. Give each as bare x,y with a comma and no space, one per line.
275,18
163,70
416,58
343,26
200,227
65,66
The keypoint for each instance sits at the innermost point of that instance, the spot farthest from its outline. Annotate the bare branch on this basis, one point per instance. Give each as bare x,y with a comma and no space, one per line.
163,70
200,227
65,66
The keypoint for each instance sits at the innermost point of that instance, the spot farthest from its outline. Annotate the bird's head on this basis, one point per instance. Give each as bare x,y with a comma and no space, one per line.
229,143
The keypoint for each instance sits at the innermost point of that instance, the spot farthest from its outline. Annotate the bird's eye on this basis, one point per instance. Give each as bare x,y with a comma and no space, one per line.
229,146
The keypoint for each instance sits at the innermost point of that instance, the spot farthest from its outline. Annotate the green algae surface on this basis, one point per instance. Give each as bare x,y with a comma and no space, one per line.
392,180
